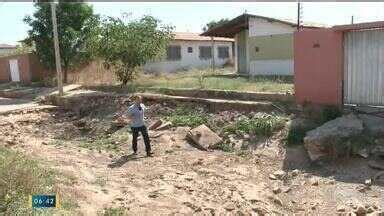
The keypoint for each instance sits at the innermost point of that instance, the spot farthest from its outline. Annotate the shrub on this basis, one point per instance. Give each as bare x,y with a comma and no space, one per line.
329,113
263,125
186,116
295,136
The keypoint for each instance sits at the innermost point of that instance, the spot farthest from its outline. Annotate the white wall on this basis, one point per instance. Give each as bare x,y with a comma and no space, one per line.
262,27
6,50
189,60
271,67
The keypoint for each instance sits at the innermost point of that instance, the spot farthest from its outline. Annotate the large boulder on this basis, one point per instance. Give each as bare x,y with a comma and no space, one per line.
374,125
203,137
322,140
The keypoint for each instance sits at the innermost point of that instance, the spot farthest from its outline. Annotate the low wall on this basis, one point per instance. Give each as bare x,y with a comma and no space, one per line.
222,94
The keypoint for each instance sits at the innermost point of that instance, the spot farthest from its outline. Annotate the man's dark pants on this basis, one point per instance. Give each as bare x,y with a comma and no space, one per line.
135,134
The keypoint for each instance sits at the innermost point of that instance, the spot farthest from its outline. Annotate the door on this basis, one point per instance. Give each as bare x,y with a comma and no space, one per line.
14,68
364,67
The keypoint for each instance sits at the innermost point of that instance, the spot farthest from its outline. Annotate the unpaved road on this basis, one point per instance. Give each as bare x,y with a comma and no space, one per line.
181,180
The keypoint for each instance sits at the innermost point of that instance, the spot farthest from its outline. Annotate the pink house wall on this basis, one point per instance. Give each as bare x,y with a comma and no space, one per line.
318,64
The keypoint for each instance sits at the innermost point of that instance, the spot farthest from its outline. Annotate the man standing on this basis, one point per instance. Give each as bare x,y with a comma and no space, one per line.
136,116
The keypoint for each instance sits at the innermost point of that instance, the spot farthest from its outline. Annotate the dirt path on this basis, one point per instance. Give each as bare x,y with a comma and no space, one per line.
183,180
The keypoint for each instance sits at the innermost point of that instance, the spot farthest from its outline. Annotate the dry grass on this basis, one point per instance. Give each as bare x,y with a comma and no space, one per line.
21,177
95,74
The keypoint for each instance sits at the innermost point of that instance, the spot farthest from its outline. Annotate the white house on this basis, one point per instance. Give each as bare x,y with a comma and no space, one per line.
264,45
190,50
7,49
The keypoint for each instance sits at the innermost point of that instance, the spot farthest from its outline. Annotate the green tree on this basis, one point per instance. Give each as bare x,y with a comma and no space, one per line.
214,23
126,46
77,29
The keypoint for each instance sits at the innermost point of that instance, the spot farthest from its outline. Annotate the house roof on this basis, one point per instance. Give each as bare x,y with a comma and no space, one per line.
7,46
359,26
230,28
192,36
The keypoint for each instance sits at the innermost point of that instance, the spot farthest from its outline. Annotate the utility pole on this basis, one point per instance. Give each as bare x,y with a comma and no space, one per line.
352,20
213,54
298,15
57,50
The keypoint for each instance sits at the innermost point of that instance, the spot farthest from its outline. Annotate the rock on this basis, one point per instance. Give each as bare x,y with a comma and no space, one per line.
272,177
276,190
361,210
374,164
321,140
363,153
295,172
287,189
378,150
204,137
374,125
155,124
164,126
314,181
378,175
341,208
368,182
229,206
279,174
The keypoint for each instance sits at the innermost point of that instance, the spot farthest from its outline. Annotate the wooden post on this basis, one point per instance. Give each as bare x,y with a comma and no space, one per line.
57,50
213,54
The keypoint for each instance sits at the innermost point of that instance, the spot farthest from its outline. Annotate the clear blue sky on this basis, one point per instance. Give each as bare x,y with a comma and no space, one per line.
192,16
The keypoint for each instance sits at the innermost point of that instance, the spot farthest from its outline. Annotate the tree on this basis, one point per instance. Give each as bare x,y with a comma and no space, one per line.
77,28
214,23
125,46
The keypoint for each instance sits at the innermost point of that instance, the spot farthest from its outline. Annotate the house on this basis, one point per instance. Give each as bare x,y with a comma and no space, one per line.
190,50
264,46
340,65
24,68
6,49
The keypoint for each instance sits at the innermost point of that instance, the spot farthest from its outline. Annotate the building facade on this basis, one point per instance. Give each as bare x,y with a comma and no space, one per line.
264,46
191,51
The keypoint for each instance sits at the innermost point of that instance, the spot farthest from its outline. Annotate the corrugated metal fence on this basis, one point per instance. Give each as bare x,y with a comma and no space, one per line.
364,67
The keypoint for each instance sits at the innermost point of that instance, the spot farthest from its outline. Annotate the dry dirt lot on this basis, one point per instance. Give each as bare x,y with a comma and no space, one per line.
265,178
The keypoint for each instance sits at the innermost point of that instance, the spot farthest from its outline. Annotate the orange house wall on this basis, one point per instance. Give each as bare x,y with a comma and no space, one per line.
318,64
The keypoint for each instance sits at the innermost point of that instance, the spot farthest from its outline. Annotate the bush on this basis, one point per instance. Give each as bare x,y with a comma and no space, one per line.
295,136
263,125
185,116
329,113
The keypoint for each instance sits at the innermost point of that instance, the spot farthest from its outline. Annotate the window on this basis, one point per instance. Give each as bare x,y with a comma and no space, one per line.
190,50
173,53
205,52
223,52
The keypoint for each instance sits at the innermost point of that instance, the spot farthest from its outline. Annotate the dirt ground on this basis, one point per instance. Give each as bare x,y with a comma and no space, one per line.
182,180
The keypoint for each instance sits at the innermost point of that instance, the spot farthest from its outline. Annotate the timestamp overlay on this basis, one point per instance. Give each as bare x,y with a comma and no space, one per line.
44,201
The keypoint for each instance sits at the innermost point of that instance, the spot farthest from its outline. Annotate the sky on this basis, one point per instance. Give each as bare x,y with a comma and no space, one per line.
192,16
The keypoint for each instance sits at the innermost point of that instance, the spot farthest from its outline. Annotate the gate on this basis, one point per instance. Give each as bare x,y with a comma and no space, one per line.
364,67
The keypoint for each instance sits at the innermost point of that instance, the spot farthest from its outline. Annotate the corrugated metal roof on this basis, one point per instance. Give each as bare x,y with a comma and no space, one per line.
192,36
7,46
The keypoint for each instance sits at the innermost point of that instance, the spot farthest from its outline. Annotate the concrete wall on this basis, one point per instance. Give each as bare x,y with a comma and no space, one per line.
190,60
318,57
262,27
271,55
275,44
30,68
241,41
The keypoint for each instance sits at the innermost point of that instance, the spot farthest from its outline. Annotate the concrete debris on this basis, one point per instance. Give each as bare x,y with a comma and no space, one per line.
164,126
204,137
374,164
374,125
279,174
321,140
341,208
155,124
